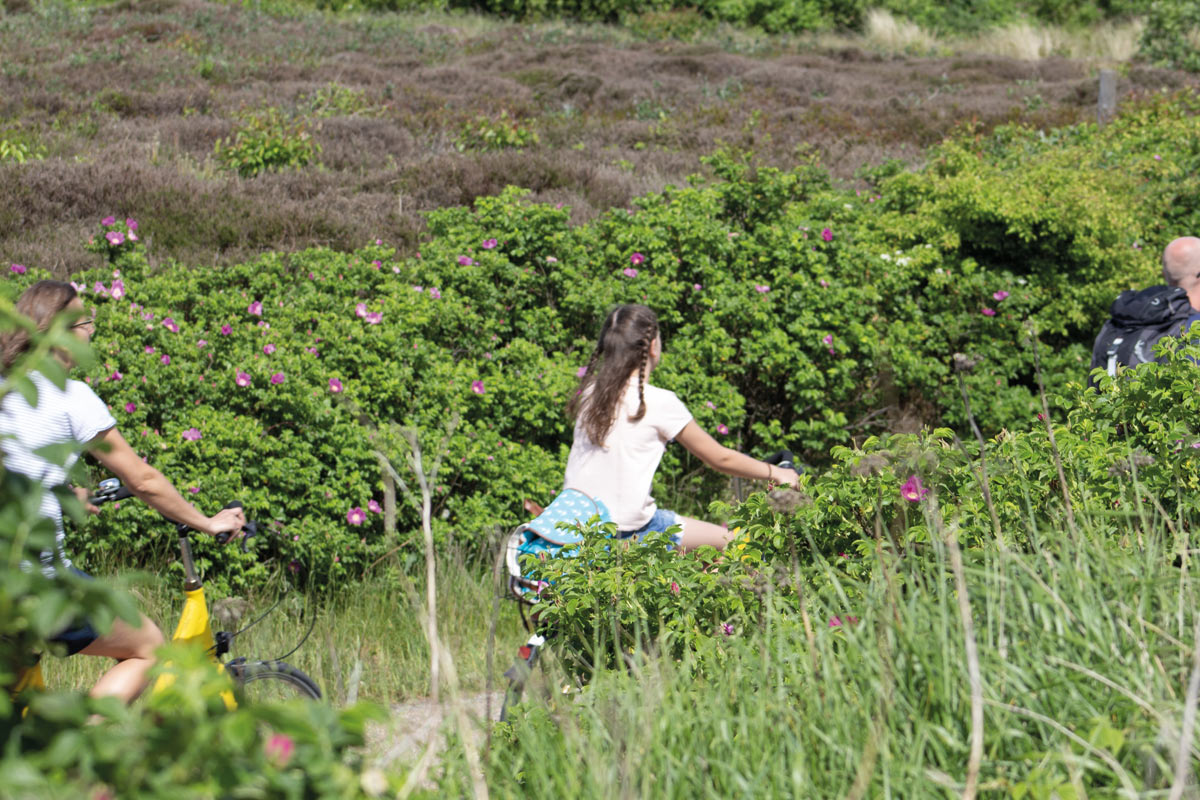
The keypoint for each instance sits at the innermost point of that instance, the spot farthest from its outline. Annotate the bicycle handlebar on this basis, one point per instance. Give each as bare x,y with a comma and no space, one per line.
783,459
110,490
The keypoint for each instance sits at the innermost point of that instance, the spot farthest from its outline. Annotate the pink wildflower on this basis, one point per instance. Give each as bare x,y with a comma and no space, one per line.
192,434
360,310
827,234
279,749
1000,295
477,387
466,261
242,379
20,269
255,308
374,318
373,507
278,378
913,490
130,408
268,348
636,259
988,312
170,325
630,272
115,238
335,385
165,360
723,429
488,244
356,516
226,330
108,221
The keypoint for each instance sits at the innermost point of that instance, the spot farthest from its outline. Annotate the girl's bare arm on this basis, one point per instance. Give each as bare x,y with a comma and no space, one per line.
716,455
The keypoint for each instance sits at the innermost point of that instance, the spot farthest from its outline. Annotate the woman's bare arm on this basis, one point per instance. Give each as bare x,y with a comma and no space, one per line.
152,487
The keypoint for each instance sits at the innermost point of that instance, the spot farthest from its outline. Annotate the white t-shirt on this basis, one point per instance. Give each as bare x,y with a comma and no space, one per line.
621,472
71,414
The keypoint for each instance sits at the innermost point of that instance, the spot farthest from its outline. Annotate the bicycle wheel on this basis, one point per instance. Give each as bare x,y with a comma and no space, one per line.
271,681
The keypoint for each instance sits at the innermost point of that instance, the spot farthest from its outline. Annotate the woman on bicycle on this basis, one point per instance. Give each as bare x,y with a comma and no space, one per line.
76,414
623,425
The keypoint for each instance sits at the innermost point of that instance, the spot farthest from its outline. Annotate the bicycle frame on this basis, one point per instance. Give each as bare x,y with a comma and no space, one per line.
194,628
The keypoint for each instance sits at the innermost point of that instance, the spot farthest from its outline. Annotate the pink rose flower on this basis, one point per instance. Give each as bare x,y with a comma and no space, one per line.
356,516
335,385
913,490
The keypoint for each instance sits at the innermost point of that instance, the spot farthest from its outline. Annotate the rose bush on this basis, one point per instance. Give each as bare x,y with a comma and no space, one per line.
793,313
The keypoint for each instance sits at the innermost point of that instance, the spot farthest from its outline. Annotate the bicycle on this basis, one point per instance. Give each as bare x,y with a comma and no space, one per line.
526,591
254,681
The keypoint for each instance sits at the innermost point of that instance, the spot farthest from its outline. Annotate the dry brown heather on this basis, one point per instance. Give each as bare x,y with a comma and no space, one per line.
129,100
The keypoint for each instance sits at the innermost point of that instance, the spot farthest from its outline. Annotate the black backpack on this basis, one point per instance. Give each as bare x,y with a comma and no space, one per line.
1139,319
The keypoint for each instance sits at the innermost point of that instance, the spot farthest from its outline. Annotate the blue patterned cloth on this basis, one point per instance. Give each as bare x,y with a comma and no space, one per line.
571,506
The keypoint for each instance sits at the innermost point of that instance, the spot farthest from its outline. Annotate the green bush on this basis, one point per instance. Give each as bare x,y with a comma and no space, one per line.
1171,37
485,134
267,141
793,314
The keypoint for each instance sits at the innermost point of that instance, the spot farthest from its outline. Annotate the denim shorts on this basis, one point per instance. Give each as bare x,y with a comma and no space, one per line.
81,633
661,520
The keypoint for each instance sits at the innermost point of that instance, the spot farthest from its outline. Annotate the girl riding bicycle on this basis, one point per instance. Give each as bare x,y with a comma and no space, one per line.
623,425
75,414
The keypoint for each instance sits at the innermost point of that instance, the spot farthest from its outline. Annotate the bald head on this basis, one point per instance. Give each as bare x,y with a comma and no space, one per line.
1181,263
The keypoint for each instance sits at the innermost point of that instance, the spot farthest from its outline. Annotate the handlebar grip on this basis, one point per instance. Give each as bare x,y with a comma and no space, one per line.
120,494
781,458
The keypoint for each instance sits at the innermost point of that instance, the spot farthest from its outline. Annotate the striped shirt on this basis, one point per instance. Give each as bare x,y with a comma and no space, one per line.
71,414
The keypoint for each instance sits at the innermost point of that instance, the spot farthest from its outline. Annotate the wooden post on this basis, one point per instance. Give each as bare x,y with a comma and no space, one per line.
1106,109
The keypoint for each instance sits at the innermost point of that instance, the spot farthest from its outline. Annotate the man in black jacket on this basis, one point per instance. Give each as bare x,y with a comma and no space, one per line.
1141,318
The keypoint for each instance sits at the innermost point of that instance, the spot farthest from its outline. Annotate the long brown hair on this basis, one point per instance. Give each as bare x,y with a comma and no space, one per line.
624,345
40,303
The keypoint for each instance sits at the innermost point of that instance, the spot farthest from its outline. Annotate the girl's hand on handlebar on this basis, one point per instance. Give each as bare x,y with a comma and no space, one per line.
227,520
783,476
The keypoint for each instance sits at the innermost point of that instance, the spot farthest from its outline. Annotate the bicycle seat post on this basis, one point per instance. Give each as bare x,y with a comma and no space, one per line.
192,582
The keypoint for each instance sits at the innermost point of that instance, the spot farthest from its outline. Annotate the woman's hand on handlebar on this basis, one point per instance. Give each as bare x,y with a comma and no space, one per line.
227,520
85,497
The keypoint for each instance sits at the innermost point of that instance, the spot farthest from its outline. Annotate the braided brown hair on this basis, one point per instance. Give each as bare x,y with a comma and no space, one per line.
624,345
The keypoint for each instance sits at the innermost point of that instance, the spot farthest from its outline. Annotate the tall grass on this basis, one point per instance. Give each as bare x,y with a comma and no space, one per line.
366,642
1085,654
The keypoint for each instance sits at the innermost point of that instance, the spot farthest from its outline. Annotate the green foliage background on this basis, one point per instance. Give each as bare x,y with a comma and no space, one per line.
793,313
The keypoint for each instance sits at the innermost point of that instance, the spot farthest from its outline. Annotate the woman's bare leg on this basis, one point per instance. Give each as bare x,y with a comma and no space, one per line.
133,648
697,533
